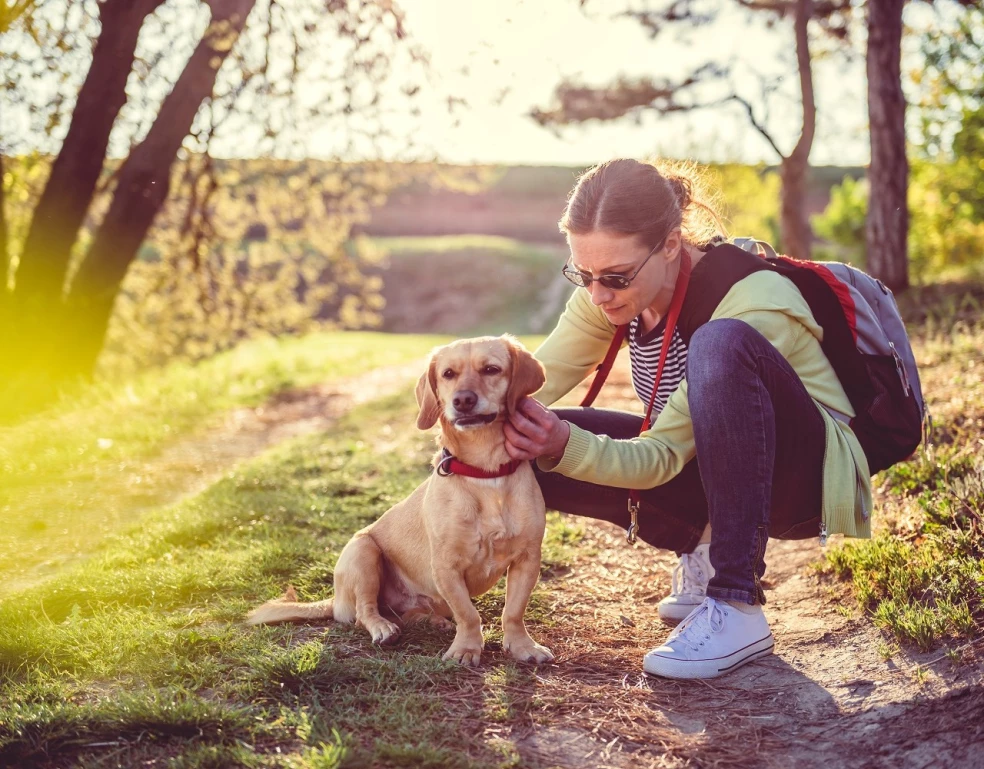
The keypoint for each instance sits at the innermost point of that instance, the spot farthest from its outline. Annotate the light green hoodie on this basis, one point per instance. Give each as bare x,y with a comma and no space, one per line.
769,303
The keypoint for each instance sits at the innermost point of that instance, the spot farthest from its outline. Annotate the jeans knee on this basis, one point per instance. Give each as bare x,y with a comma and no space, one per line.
717,348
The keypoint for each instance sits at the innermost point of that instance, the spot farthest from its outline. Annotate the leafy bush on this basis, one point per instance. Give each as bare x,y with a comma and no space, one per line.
842,223
946,224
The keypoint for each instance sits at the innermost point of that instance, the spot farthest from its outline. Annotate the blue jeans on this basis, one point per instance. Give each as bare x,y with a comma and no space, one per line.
758,472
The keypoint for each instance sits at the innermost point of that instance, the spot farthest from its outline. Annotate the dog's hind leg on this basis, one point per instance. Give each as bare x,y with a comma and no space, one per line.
420,614
358,578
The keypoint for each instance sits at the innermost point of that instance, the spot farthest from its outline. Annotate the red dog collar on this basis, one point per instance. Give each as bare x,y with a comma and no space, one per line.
449,465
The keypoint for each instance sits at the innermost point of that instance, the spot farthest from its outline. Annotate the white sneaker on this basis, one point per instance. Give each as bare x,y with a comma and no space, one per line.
715,639
688,586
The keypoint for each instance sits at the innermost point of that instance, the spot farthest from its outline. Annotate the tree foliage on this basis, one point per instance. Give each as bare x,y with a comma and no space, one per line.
946,189
114,114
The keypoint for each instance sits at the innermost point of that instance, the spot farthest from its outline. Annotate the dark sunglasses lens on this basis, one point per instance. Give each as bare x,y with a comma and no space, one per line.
573,276
614,282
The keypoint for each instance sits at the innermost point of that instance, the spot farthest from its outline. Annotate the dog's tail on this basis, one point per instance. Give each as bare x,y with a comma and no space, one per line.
288,609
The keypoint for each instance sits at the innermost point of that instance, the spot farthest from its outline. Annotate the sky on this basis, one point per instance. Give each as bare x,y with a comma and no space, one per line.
507,57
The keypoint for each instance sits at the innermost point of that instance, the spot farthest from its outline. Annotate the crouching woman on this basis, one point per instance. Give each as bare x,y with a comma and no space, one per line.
749,437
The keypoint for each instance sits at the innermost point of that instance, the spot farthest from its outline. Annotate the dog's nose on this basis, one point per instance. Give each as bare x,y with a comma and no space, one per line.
464,400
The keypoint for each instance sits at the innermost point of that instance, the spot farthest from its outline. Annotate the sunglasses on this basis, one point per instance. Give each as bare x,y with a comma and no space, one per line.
614,281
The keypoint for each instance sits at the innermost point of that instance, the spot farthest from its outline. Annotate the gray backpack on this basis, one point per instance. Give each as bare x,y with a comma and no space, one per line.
865,341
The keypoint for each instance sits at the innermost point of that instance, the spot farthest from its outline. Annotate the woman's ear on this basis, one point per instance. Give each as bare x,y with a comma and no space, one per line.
526,376
426,392
673,244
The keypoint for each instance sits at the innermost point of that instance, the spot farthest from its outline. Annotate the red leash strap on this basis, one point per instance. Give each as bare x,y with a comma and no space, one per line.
606,365
679,293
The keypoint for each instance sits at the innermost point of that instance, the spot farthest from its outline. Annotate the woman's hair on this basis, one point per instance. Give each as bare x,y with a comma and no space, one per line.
643,199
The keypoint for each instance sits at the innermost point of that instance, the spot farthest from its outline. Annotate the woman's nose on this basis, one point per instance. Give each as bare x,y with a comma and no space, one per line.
599,294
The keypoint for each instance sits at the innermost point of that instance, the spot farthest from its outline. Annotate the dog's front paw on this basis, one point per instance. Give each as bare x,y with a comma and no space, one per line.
527,650
465,652
383,632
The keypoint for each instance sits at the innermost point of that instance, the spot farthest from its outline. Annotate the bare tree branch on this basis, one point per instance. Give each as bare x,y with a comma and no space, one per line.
679,10
578,103
756,124
779,7
804,11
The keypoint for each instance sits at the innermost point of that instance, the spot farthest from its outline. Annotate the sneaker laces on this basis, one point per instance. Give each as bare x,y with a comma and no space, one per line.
697,628
688,576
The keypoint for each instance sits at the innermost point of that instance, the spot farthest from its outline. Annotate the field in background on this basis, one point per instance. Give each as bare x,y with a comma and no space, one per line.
470,285
526,202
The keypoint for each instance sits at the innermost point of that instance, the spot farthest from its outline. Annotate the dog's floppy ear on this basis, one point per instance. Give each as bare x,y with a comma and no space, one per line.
527,373
426,394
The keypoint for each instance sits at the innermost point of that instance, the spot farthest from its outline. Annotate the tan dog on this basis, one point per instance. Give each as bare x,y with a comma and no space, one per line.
454,536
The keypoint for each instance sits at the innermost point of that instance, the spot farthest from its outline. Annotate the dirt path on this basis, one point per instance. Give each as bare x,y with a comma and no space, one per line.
828,697
184,468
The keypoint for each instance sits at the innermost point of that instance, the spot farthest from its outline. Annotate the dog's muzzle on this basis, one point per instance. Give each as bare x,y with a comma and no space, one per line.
475,420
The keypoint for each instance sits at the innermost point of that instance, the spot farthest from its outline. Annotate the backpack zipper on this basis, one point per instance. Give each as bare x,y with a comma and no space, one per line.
900,368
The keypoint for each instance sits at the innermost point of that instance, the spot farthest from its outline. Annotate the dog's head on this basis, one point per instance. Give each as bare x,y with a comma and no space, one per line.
472,382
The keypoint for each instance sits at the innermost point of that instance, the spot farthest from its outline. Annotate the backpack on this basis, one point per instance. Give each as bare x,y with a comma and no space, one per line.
865,341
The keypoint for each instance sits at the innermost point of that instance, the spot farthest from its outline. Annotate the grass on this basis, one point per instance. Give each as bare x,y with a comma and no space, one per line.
921,578
139,657
77,471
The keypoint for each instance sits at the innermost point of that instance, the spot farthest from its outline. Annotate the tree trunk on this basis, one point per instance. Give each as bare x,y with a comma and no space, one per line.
143,185
794,223
4,246
31,323
794,227
63,204
887,227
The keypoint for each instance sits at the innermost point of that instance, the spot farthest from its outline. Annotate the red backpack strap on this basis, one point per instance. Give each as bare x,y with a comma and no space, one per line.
605,366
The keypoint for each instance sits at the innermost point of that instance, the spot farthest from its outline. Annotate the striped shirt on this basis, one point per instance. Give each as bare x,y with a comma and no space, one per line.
644,356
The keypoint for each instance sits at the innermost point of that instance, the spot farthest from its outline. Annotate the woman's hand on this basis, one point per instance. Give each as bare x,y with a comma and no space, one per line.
535,431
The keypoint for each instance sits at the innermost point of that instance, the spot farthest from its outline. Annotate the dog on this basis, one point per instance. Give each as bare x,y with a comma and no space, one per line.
456,534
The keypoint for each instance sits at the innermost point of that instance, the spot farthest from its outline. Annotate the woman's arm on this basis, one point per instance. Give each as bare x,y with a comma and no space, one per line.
650,460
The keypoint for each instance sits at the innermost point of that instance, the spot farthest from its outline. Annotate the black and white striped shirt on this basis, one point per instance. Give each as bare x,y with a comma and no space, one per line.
644,356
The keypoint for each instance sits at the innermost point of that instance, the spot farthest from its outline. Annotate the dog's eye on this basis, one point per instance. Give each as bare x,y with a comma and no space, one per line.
448,373
491,370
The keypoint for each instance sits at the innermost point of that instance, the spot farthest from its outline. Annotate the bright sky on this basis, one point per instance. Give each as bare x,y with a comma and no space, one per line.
507,56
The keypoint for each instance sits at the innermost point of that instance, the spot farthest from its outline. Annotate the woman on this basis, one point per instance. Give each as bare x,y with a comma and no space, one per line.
750,440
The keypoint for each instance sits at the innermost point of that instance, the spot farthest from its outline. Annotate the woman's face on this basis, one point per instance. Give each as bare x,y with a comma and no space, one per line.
607,253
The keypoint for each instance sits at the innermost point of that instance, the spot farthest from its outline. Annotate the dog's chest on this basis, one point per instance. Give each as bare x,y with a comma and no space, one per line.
499,522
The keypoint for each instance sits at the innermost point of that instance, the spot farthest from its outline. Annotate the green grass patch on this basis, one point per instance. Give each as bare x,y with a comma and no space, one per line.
80,470
924,584
139,655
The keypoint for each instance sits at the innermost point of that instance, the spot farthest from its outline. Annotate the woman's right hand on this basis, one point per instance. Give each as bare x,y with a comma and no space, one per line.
534,431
